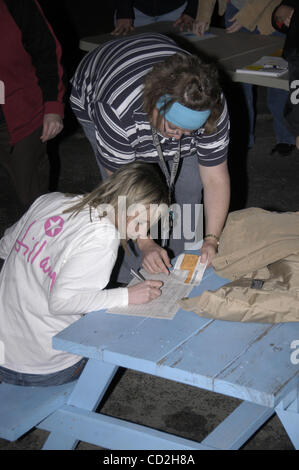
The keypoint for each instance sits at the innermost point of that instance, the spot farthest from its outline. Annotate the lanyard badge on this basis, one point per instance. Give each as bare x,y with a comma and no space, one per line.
170,178
166,229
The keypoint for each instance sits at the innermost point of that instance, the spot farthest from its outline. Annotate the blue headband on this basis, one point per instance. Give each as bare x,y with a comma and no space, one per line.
182,116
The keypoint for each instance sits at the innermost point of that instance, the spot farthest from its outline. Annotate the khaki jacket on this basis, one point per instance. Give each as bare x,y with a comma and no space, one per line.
259,252
256,13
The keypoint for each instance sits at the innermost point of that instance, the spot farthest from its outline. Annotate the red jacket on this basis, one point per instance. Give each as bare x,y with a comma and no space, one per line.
30,67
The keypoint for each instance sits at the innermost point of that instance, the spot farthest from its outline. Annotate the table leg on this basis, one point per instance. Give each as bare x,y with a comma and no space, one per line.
92,384
87,394
239,426
288,413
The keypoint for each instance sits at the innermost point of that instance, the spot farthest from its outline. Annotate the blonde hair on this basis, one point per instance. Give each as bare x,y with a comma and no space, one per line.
141,183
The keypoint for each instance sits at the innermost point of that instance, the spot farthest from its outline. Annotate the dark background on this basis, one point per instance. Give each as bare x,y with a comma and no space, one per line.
74,19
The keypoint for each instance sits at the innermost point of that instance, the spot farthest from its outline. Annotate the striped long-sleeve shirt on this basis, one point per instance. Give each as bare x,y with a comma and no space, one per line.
107,90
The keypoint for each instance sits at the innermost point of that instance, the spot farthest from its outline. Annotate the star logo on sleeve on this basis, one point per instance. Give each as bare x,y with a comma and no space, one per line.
53,226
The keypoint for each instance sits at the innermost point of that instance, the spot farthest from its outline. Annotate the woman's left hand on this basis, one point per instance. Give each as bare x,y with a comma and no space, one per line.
200,27
208,250
234,27
52,125
184,21
284,15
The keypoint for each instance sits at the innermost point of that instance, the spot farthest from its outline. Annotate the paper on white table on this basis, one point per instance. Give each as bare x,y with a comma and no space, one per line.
174,288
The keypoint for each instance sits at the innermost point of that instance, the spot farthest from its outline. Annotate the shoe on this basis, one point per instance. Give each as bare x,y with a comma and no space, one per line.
283,150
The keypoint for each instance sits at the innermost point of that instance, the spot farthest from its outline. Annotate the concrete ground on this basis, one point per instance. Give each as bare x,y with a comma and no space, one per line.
258,179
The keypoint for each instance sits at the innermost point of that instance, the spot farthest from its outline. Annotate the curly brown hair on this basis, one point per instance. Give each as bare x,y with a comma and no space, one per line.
189,81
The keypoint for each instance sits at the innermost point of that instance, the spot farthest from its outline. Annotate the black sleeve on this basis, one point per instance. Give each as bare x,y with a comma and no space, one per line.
290,3
124,9
191,8
41,44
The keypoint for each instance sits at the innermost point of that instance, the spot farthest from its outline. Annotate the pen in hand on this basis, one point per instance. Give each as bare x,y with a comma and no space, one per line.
137,275
143,292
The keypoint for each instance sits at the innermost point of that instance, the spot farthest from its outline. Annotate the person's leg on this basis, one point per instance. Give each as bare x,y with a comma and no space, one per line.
188,198
276,101
291,111
141,19
231,11
43,380
87,126
89,131
249,99
172,15
27,164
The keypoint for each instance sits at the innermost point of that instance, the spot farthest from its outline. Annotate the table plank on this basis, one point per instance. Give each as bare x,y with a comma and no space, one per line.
146,339
249,361
200,359
264,373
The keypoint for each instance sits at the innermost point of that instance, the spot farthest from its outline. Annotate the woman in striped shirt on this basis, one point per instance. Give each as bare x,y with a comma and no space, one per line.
132,88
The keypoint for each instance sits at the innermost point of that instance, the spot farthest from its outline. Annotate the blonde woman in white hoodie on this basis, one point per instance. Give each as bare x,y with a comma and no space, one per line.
58,260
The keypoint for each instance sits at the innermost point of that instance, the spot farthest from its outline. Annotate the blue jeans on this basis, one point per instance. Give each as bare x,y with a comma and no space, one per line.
276,98
141,19
89,131
43,380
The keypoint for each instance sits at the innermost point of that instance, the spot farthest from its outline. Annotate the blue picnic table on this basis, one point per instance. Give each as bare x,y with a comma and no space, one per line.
253,362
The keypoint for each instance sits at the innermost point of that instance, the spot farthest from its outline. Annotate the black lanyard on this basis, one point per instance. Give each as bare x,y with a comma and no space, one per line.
170,178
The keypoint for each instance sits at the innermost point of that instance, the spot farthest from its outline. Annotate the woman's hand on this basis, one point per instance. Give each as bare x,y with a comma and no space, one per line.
154,258
184,21
123,27
208,250
144,292
234,27
200,27
52,125
284,15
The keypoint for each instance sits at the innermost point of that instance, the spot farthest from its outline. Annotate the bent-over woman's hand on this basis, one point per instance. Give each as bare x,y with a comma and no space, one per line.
200,27
144,292
123,27
154,258
234,27
184,21
208,251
